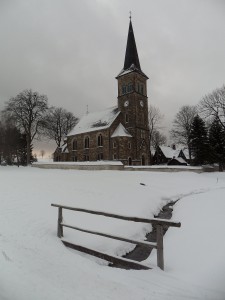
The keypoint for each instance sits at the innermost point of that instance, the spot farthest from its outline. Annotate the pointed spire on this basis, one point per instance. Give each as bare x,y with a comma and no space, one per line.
131,56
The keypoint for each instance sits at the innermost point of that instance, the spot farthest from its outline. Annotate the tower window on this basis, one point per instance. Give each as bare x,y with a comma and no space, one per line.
126,118
129,145
142,89
130,87
114,156
100,141
86,142
114,144
124,89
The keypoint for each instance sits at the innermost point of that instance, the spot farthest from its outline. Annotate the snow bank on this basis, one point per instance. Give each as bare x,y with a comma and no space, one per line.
35,265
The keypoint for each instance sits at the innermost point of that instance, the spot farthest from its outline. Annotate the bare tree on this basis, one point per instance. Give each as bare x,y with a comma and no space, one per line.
213,105
155,118
42,152
158,139
27,109
182,125
58,123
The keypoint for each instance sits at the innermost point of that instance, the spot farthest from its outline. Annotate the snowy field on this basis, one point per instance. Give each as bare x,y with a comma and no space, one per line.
34,264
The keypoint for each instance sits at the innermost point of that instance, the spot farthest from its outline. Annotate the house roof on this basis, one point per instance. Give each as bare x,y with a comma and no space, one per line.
169,152
96,121
179,160
121,131
186,153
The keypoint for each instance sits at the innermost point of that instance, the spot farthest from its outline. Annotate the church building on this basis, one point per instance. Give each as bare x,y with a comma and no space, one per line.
117,133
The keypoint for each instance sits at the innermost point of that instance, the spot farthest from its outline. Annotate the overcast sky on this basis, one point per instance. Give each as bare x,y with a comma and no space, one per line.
72,50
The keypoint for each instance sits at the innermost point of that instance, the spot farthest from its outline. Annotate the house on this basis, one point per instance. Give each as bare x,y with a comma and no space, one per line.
117,133
164,154
177,161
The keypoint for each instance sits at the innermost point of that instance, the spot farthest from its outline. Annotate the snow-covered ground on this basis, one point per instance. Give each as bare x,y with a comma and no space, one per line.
35,265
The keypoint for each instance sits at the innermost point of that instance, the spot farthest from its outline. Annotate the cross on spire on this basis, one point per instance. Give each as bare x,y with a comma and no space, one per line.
130,15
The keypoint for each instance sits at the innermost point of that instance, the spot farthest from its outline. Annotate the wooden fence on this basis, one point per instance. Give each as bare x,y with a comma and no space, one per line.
159,223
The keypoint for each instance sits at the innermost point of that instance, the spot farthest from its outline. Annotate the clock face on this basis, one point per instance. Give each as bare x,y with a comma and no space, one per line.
126,103
141,103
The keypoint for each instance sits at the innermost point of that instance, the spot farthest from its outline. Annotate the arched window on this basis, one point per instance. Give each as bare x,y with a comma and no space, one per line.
124,89
100,140
74,145
86,142
130,87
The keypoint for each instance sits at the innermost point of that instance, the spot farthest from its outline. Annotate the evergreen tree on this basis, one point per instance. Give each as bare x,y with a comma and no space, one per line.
217,142
199,142
13,144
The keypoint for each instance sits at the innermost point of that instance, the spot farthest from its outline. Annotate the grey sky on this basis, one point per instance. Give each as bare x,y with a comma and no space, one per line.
72,50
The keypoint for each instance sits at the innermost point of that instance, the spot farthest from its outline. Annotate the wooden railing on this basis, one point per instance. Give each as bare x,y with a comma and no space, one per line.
159,223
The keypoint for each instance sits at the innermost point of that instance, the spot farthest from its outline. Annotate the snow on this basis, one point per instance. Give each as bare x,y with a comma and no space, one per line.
35,265
80,163
95,121
169,152
120,131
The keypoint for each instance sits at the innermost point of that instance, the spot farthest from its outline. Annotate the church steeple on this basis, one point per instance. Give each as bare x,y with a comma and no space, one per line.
131,56
131,61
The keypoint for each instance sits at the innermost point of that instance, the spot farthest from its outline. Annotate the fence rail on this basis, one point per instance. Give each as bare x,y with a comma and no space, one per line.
159,223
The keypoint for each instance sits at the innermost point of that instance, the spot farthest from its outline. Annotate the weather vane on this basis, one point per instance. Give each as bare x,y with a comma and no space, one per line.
130,15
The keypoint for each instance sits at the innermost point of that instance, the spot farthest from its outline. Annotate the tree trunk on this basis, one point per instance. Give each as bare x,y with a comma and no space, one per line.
28,149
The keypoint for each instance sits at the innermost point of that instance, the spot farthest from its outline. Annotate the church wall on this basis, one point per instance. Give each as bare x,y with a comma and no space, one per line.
123,149
93,150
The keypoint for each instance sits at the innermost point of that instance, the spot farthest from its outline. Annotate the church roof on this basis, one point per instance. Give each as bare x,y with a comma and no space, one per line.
120,131
131,61
95,121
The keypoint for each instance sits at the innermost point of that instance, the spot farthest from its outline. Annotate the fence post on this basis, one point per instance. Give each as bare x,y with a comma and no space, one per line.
159,238
60,219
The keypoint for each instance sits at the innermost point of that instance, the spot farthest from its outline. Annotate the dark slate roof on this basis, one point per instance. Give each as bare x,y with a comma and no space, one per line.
131,56
131,61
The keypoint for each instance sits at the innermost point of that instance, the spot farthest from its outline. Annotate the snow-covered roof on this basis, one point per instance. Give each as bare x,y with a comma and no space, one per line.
169,152
95,121
121,131
132,68
186,153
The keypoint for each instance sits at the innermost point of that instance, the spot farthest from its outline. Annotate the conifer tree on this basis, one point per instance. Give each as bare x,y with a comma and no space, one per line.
199,141
217,142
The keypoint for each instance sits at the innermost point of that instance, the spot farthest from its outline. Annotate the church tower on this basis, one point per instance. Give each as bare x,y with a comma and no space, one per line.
133,101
